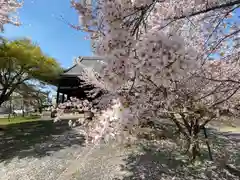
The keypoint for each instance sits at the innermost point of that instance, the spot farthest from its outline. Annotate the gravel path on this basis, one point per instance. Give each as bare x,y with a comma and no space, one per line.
61,166
72,162
62,157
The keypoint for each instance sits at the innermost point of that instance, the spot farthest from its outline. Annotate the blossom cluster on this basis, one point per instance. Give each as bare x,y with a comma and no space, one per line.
156,54
7,8
104,127
74,106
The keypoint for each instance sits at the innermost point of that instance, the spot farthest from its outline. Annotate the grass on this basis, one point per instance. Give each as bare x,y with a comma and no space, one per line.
18,119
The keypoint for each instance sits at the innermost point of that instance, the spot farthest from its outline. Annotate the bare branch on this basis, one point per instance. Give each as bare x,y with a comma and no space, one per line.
208,9
227,98
219,23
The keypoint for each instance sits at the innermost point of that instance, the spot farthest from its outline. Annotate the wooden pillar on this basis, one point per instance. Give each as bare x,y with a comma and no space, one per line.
57,95
63,97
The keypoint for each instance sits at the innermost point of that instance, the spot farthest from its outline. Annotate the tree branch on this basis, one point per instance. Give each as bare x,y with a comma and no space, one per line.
221,80
227,98
220,41
229,4
219,23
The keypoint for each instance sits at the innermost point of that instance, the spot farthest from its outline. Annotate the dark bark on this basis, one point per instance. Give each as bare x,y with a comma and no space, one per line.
10,83
208,145
191,127
40,109
194,150
193,147
186,124
6,95
3,98
40,106
191,131
179,127
208,9
196,147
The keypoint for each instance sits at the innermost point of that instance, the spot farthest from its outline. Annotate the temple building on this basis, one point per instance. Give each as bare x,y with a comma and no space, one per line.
69,83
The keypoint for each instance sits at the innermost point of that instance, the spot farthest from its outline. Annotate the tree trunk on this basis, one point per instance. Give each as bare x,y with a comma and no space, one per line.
40,106
190,129
194,150
207,143
8,90
40,109
1,102
23,113
3,98
193,146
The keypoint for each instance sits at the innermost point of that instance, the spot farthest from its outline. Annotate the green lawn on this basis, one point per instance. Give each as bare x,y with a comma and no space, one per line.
19,119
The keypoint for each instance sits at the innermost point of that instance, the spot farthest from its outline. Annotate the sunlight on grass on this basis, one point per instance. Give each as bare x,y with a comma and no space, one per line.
14,120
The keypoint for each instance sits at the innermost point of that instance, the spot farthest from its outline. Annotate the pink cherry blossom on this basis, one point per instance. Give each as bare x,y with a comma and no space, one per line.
7,10
158,56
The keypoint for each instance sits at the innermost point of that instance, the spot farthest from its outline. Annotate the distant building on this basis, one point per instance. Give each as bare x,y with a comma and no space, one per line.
22,99
16,102
69,83
54,100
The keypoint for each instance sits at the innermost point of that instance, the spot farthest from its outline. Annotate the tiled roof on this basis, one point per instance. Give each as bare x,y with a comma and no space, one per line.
88,61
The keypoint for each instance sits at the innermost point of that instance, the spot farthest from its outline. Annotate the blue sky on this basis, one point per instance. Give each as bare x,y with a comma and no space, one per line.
40,22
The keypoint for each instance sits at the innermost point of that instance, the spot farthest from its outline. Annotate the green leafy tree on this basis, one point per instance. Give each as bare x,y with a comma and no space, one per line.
22,61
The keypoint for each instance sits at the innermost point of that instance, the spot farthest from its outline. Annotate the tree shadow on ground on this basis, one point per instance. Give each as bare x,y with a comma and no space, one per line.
164,160
37,139
152,164
225,144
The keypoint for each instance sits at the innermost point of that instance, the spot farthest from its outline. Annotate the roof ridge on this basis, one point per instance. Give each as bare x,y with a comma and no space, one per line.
91,57
68,69
91,61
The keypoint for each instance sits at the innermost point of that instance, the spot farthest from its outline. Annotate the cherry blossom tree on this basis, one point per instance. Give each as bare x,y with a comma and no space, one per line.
158,61
7,9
